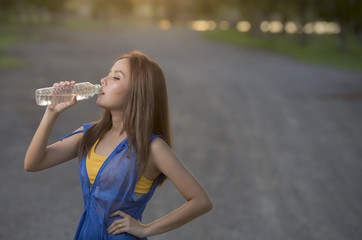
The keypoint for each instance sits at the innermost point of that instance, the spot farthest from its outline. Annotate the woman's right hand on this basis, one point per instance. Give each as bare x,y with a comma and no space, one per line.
58,108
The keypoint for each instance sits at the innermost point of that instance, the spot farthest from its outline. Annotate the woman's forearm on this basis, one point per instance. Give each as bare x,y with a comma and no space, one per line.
37,149
187,212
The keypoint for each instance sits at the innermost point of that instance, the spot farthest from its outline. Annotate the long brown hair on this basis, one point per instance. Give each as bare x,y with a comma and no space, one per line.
146,110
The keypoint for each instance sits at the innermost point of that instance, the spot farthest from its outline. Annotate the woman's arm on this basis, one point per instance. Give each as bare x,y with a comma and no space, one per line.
39,156
197,200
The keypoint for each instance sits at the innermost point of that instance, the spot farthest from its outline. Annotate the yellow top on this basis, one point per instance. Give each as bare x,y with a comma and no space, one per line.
94,163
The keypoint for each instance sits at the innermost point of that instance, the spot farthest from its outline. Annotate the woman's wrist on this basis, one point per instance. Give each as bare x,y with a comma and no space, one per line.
147,230
51,115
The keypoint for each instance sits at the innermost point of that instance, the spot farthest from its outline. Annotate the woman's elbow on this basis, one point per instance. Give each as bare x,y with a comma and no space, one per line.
209,206
28,167
206,205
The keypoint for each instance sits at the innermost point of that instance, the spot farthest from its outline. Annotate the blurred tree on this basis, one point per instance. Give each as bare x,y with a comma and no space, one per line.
206,8
107,9
55,8
165,9
157,10
6,4
256,11
358,26
286,10
171,10
21,8
52,6
304,11
5,8
346,12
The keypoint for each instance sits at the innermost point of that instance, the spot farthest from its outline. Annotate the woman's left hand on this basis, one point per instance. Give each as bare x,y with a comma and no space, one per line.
127,225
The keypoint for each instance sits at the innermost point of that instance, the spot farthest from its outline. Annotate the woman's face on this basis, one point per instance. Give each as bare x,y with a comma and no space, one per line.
115,86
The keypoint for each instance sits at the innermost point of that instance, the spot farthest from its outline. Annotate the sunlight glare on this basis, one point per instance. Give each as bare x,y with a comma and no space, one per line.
308,28
275,27
243,26
264,26
164,24
321,27
291,27
333,28
202,25
212,25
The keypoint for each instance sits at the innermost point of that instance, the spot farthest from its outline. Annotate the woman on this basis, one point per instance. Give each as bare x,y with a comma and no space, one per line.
124,156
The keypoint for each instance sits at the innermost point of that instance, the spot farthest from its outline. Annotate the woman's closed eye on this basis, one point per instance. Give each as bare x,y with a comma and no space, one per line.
114,77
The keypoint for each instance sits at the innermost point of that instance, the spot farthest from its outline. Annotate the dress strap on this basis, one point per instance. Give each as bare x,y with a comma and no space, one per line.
154,136
85,128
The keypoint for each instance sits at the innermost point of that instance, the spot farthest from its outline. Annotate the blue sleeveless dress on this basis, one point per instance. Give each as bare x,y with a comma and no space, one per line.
112,190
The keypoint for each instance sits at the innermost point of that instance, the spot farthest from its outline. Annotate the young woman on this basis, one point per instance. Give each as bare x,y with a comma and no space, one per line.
124,156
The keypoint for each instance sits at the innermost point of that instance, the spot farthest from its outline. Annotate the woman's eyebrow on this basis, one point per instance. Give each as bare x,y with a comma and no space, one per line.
117,71
120,71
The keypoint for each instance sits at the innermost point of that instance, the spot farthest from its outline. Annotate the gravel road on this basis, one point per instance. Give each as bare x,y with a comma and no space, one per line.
276,142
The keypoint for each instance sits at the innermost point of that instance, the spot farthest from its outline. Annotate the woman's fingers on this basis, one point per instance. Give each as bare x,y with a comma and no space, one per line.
60,107
113,226
119,213
64,84
117,222
120,229
72,102
117,226
61,100
127,224
67,83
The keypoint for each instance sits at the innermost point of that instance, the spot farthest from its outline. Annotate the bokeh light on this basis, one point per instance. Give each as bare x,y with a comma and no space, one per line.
165,24
243,26
273,26
264,26
291,27
320,27
202,25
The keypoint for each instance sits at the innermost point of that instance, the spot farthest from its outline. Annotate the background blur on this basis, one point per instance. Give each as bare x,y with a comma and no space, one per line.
265,98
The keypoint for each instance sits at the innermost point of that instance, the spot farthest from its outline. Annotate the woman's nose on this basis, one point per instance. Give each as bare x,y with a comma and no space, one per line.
103,80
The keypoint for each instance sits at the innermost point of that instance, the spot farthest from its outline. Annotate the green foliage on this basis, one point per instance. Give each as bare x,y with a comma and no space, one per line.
54,6
321,49
105,9
339,10
6,61
206,8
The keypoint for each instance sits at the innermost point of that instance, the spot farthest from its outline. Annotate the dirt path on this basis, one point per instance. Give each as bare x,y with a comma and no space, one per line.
276,142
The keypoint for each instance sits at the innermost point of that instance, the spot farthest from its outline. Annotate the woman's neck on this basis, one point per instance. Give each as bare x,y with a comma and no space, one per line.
117,123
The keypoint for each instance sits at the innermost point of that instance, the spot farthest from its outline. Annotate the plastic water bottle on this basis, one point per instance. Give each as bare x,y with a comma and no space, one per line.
55,95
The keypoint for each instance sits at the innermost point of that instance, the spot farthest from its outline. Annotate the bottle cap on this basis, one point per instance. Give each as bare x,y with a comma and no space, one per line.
98,88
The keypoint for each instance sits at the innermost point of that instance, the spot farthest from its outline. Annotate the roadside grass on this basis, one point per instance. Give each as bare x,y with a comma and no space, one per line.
15,30
7,39
321,49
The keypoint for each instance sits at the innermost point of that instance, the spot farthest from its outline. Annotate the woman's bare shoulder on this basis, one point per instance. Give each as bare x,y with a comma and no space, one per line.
158,144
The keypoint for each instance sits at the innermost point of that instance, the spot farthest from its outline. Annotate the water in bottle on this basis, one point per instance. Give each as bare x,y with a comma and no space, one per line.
55,95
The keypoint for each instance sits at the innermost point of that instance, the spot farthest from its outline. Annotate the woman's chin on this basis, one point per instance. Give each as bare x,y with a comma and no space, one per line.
99,103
